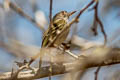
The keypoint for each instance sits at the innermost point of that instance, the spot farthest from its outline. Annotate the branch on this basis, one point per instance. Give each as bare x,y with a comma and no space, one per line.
50,14
99,56
19,49
23,14
44,72
96,72
84,43
97,20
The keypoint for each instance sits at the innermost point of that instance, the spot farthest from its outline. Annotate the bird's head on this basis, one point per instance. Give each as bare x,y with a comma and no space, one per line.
63,15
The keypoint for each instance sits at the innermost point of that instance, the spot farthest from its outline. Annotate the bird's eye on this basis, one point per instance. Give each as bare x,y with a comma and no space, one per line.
64,15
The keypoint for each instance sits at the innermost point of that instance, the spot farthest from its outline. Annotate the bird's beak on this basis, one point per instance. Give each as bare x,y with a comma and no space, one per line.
71,13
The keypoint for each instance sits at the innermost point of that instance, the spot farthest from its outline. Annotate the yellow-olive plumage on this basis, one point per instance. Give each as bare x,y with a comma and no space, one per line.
59,23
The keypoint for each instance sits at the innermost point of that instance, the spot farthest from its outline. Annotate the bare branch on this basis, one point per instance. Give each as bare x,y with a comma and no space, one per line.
97,20
15,75
23,14
99,56
50,14
19,49
84,43
84,9
96,72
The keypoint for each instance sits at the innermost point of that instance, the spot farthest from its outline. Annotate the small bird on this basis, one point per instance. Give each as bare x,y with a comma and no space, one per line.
58,24
50,37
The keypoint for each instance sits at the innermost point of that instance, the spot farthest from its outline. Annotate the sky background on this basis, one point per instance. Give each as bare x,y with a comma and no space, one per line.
18,28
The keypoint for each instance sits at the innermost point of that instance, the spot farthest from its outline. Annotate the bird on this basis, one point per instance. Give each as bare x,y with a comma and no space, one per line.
50,36
58,24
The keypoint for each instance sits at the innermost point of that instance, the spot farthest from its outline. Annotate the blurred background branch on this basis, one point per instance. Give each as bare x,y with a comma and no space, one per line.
20,40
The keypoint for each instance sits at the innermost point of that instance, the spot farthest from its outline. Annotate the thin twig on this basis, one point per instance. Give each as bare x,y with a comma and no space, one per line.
85,9
101,25
97,20
96,72
50,17
12,72
15,75
22,65
50,10
71,54
94,28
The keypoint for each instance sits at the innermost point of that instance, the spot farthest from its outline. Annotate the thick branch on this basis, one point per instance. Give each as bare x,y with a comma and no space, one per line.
28,75
99,56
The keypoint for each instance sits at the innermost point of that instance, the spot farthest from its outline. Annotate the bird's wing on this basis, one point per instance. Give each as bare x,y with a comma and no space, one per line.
52,32
48,36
